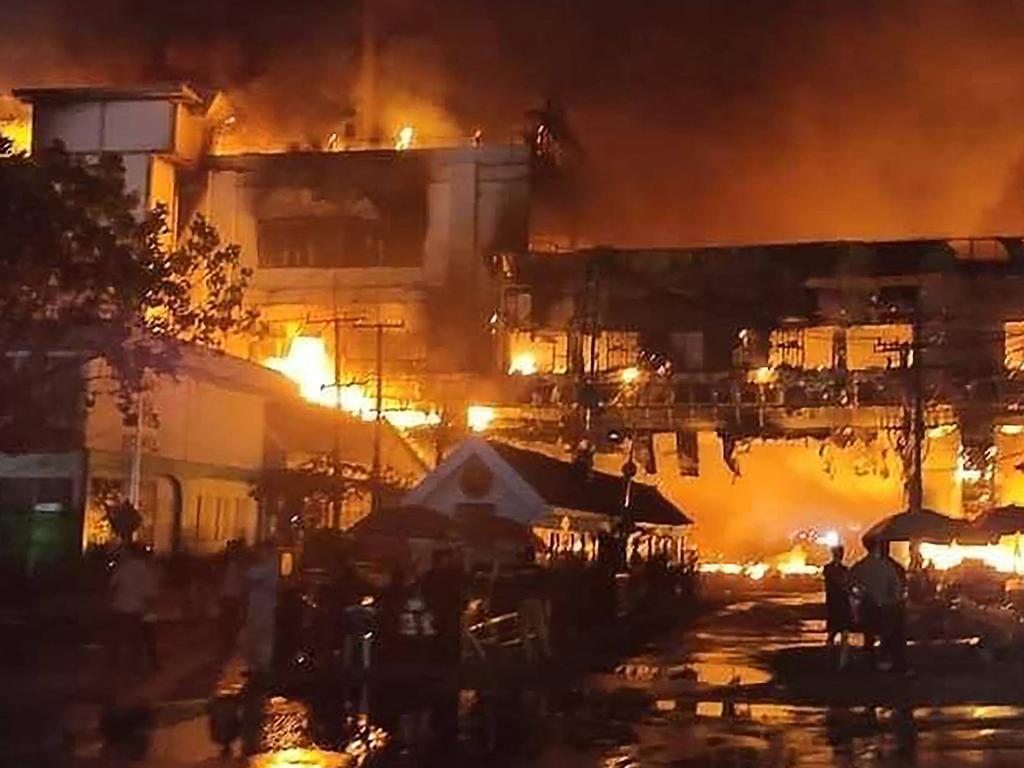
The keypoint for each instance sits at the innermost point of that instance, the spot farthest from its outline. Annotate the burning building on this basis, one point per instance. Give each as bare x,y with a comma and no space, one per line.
356,254
784,383
773,389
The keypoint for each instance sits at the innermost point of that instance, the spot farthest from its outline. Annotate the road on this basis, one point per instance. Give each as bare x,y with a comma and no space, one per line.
706,696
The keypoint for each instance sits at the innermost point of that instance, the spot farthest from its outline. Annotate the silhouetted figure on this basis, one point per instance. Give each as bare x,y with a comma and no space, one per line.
442,590
881,590
837,608
261,609
533,608
231,593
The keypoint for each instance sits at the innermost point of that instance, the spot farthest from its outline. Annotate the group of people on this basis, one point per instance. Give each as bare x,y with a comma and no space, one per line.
431,615
246,596
869,597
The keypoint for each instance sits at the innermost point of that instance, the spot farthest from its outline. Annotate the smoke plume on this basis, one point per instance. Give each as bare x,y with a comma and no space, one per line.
702,122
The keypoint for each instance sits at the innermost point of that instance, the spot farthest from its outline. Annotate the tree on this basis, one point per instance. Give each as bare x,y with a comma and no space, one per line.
124,519
87,275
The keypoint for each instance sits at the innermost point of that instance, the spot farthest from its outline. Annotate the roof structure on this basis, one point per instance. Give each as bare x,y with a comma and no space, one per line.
529,504
177,92
561,484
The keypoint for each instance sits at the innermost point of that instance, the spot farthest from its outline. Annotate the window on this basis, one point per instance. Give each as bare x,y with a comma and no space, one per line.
329,242
240,518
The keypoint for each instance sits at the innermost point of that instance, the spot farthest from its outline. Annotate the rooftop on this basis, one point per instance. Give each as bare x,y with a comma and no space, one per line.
561,484
177,92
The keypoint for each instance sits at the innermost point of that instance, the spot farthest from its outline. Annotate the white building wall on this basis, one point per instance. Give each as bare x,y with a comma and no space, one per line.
138,126
196,421
78,126
106,126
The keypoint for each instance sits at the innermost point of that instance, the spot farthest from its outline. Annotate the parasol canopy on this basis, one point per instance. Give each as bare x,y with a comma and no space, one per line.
493,537
998,522
926,525
411,522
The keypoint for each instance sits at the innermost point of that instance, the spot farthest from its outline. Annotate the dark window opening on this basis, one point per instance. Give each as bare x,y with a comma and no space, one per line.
331,242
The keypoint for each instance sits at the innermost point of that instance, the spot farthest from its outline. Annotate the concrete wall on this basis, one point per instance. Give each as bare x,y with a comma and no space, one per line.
105,126
477,202
203,444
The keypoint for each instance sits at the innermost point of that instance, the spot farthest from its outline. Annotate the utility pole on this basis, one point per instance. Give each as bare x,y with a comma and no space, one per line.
916,490
135,481
375,472
337,320
336,453
911,364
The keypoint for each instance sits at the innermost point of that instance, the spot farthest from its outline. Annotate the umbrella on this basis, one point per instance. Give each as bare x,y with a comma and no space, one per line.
492,532
999,522
925,525
412,522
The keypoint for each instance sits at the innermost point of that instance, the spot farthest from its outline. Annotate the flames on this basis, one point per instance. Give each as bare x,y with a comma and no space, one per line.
1004,556
404,138
793,562
15,123
308,365
524,363
479,417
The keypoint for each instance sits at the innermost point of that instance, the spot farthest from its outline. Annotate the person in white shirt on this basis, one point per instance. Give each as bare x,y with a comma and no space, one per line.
133,590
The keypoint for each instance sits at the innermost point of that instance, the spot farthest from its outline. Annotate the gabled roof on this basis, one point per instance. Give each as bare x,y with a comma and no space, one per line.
530,502
561,484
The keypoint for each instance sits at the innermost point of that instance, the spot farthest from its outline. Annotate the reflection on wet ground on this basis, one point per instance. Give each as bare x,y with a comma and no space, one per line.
701,698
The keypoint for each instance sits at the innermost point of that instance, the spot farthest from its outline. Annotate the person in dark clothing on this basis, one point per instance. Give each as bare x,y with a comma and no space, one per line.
392,602
881,586
838,616
231,594
533,607
442,590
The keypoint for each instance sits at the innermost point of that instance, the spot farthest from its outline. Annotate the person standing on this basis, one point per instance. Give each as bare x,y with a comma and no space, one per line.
837,608
261,609
442,587
232,591
133,589
533,608
882,593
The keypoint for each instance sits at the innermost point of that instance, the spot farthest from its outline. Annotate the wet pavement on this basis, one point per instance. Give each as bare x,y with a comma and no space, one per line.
707,696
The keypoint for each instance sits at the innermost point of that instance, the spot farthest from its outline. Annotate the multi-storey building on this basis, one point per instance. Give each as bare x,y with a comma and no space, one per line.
816,350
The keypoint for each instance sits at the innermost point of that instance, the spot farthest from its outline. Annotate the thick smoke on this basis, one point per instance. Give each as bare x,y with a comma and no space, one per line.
702,121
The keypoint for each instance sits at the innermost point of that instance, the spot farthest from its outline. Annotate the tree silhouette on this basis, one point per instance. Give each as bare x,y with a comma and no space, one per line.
88,276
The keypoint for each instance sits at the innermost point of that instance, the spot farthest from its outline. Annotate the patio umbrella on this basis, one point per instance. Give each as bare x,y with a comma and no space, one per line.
998,522
925,525
412,522
403,536
490,537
